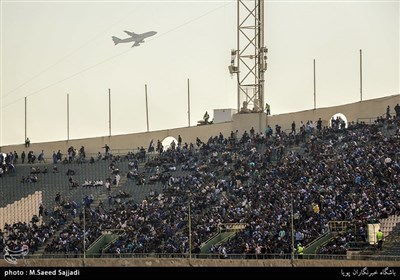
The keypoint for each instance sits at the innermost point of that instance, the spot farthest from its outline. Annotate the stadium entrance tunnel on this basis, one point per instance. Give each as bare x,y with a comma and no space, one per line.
168,141
338,120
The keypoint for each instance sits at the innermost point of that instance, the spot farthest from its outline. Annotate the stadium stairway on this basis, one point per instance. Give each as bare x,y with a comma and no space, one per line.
312,248
393,250
98,246
140,192
102,197
391,244
40,252
137,192
389,224
225,233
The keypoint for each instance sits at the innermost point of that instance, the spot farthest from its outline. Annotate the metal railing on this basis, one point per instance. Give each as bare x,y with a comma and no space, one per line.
341,226
225,228
231,227
243,256
371,120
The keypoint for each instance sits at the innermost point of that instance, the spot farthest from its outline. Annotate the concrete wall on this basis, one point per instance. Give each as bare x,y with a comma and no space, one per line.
363,111
120,144
242,122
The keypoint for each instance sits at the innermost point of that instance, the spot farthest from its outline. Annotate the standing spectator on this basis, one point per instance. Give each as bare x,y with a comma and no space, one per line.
252,132
267,109
142,154
206,117
268,131
54,157
15,157
319,124
388,112
300,251
379,238
278,129
41,157
23,156
59,156
397,110
82,153
41,209
27,142
160,147
107,151
179,141
151,146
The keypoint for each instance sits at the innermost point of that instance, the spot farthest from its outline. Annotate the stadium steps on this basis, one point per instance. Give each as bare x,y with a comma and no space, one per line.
391,244
387,130
51,183
296,149
215,240
101,243
40,253
311,249
102,197
140,192
97,171
389,224
221,237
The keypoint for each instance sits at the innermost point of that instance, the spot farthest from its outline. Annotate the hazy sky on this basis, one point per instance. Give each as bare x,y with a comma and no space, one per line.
49,49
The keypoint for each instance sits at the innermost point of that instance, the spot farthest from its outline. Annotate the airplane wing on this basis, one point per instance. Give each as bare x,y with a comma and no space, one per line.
130,33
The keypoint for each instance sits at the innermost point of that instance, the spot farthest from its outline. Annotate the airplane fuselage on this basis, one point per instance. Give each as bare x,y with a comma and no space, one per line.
137,38
148,34
127,40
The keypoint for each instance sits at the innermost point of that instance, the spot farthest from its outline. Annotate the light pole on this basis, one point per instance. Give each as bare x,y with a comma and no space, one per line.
292,225
109,112
26,119
190,233
361,95
147,108
188,86
84,232
68,116
315,92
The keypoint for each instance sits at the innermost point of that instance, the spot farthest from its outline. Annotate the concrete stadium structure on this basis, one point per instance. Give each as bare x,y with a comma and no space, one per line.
161,262
367,111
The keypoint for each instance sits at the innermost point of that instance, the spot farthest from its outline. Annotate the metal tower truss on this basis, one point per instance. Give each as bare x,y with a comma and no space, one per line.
250,56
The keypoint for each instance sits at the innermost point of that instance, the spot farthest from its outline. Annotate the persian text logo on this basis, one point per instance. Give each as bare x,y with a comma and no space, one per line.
10,255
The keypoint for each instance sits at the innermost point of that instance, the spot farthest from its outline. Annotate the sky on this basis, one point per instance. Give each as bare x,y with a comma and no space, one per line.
53,48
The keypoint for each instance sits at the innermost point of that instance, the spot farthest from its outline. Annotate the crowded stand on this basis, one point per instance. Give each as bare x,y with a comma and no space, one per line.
313,174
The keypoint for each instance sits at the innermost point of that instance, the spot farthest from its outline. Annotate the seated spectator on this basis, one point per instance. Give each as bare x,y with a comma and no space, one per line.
70,172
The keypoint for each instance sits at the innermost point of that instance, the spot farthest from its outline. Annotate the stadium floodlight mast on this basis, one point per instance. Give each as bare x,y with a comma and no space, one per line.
248,61
292,225
84,232
190,232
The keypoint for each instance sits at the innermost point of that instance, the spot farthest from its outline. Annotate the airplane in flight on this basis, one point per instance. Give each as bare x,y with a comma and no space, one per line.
137,38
